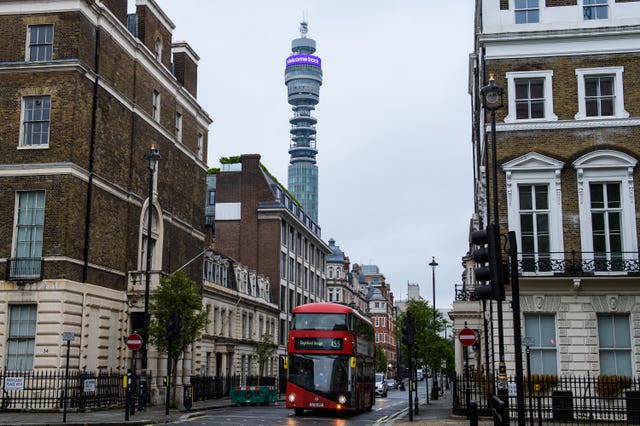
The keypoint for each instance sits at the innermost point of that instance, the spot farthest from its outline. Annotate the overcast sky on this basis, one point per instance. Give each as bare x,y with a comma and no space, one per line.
394,123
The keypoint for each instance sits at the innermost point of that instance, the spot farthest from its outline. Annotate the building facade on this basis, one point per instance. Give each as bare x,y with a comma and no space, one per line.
261,225
83,97
567,176
343,285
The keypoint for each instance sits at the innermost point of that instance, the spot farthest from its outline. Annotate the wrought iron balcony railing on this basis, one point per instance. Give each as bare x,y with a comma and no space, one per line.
465,294
24,269
578,263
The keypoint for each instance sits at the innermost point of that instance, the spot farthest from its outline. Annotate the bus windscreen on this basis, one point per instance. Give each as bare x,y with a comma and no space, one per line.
319,322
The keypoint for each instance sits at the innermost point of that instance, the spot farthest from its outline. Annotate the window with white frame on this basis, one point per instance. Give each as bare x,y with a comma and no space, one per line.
607,209
595,9
544,352
40,42
534,226
36,119
21,338
527,11
614,340
530,96
377,322
535,209
600,93
155,105
383,322
178,126
28,234
149,239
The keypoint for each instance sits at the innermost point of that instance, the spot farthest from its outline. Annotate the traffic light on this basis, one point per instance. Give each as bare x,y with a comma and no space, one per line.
408,330
489,263
173,326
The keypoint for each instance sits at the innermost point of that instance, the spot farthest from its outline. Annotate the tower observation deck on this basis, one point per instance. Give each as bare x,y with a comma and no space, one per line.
303,78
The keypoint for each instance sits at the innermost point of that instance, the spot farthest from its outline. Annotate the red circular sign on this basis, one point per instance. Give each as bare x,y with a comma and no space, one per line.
467,336
134,341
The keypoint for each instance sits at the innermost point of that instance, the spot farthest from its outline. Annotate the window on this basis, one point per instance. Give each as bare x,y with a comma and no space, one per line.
28,235
614,339
595,9
534,227
606,213
158,49
530,96
212,198
155,105
36,116
383,322
40,42
200,150
534,207
22,336
607,210
543,352
179,127
600,93
527,11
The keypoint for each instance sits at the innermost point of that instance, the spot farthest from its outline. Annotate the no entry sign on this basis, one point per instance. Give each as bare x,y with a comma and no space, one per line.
467,336
134,341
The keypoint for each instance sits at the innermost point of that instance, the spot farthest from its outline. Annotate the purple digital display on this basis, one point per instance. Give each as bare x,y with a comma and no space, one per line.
304,59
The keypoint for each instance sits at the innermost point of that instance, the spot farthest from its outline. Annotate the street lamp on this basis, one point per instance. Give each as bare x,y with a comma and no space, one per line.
433,265
152,157
492,100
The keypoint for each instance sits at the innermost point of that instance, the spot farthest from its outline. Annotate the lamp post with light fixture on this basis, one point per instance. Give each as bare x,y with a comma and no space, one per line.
152,157
434,372
492,100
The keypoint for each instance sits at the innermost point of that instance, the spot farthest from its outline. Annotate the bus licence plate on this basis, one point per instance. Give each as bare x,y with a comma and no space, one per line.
316,404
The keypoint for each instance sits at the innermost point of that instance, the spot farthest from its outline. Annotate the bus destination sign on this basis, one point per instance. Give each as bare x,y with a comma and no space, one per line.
318,343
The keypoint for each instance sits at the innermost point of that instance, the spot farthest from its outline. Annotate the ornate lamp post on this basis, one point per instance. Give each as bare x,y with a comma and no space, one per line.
152,157
492,100
433,265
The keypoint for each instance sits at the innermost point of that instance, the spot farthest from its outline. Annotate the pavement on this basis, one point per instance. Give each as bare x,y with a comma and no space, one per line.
436,413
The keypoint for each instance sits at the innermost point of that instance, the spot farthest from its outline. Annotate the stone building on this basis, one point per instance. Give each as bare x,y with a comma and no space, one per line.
85,92
241,311
567,156
343,284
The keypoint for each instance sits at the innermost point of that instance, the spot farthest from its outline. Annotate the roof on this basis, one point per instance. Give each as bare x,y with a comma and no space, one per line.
336,255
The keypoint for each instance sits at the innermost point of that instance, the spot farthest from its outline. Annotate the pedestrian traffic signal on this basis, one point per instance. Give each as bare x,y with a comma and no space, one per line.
408,330
488,259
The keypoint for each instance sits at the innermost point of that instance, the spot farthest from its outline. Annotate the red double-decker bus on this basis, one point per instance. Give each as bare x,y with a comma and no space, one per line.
330,363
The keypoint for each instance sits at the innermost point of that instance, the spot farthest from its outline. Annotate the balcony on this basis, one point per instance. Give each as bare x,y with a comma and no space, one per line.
574,263
24,269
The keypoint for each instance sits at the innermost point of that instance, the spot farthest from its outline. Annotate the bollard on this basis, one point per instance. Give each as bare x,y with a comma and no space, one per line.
473,413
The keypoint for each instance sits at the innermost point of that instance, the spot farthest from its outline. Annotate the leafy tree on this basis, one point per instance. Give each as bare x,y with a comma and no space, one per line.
265,350
430,348
380,359
176,294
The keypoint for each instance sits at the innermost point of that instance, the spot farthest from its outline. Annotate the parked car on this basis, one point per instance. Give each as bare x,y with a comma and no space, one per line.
392,384
381,385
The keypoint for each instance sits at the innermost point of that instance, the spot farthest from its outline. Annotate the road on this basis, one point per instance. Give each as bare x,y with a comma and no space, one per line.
277,415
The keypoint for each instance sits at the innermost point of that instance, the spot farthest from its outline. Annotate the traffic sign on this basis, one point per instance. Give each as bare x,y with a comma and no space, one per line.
467,336
134,341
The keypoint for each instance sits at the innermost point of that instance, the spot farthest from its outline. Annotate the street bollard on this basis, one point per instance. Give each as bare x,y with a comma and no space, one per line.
473,413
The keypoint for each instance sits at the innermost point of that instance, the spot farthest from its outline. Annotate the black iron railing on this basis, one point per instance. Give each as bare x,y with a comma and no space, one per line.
209,387
464,293
559,400
24,269
45,389
579,263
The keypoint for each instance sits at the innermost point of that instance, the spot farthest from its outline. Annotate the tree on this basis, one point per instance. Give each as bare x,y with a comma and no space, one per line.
265,350
177,296
380,359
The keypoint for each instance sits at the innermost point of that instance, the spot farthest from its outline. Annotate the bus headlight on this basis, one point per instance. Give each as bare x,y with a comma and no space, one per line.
342,399
292,397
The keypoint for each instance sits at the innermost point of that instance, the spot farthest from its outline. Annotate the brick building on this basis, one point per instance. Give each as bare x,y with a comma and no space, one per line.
258,223
568,179
85,91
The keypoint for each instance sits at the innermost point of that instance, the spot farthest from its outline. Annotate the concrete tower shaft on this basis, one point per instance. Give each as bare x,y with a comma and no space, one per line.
303,78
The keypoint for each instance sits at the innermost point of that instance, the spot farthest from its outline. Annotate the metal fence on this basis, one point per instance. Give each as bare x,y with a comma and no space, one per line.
45,389
210,387
558,400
